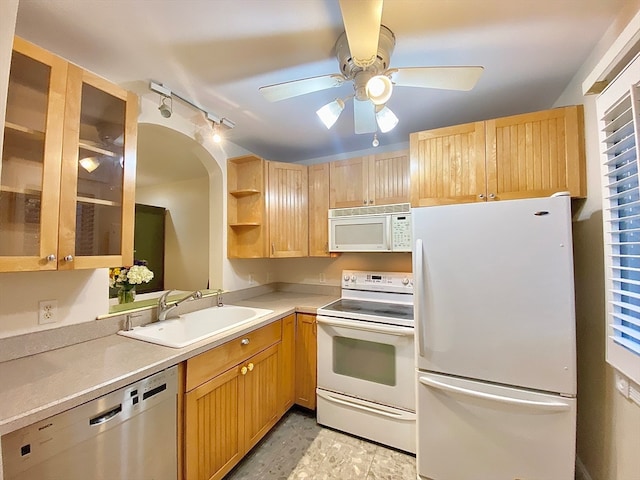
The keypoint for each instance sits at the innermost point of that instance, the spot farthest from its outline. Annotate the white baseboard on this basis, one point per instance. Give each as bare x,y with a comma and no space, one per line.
581,471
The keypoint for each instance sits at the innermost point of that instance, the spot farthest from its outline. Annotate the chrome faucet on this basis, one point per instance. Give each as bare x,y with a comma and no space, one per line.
164,308
219,303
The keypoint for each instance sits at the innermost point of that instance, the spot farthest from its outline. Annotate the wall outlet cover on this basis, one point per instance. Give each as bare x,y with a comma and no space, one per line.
48,311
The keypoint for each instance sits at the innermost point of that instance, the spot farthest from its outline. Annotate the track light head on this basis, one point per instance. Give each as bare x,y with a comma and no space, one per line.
165,107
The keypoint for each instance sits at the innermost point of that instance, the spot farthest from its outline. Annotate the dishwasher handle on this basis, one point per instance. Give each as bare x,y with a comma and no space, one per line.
105,416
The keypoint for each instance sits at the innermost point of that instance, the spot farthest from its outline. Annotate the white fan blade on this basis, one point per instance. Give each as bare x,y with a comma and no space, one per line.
447,78
364,116
362,24
280,91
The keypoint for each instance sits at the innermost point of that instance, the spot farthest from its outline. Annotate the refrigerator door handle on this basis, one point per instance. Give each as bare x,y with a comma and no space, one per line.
367,327
419,298
551,406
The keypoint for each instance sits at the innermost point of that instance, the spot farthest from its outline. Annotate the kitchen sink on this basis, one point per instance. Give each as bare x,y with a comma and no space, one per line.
192,327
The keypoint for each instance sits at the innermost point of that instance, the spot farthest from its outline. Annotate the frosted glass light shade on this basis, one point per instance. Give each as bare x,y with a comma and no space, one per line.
330,112
386,119
379,89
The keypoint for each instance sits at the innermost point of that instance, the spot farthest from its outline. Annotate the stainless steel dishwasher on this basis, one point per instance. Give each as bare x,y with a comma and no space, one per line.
128,434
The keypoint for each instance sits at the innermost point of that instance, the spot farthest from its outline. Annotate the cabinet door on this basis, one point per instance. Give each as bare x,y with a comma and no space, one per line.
349,182
536,154
98,174
30,170
306,363
287,203
389,178
319,210
287,363
213,422
448,165
261,406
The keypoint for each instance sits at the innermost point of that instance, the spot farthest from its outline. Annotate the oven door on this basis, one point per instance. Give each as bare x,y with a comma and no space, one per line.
367,360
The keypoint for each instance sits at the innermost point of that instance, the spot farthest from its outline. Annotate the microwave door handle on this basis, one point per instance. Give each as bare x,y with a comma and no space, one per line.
367,326
419,298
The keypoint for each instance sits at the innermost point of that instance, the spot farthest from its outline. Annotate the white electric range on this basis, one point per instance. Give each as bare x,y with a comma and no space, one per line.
366,359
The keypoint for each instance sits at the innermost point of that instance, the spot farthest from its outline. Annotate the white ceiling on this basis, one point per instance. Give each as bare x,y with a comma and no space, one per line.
219,52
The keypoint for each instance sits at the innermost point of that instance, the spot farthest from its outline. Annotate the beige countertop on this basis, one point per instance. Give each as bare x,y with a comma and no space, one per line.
35,387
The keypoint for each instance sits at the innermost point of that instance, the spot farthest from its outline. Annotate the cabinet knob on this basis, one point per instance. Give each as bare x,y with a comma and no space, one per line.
244,341
243,370
68,258
51,258
481,196
492,195
250,367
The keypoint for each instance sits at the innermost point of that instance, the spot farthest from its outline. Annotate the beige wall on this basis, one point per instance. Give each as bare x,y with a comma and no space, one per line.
186,230
608,430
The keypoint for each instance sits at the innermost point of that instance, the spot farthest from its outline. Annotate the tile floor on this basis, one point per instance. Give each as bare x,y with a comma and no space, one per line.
300,448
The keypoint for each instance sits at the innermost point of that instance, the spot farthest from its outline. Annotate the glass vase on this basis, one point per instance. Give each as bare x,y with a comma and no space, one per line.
126,294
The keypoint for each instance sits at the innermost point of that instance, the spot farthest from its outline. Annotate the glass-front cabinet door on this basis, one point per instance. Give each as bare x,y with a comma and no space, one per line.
30,169
67,177
98,174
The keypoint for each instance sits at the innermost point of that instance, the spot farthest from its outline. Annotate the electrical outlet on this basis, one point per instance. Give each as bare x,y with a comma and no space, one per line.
48,312
322,278
622,384
634,393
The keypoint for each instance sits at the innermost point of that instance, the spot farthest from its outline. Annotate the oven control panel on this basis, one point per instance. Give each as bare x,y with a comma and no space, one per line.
398,282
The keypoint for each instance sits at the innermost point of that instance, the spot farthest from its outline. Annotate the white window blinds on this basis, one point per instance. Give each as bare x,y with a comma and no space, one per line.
619,111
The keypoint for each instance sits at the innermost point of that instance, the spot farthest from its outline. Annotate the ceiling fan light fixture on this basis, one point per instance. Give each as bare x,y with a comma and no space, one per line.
386,119
330,113
379,89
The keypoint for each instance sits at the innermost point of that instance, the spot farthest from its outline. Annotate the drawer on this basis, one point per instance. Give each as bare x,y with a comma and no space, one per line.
209,364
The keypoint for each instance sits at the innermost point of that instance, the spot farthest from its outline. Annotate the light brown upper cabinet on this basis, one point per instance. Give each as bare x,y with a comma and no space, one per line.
267,209
288,207
68,167
380,179
319,210
521,156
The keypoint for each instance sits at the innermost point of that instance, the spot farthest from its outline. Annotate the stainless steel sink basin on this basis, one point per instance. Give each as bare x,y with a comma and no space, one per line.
195,326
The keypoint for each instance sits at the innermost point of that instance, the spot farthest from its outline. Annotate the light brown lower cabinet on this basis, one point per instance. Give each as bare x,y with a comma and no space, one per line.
230,412
288,363
306,361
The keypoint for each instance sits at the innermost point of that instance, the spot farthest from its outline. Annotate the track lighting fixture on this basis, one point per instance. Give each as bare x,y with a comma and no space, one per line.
166,106
166,109
217,138
375,142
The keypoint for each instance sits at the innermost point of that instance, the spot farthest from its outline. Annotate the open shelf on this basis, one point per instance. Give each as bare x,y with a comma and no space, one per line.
23,191
98,201
245,192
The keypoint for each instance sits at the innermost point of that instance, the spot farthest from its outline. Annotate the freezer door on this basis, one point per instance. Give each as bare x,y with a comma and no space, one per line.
473,430
494,294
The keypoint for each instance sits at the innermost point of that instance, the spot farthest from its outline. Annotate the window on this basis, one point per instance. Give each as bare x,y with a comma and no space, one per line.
619,113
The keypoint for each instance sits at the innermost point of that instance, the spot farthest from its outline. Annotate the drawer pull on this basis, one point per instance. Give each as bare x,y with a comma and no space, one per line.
243,370
244,341
250,367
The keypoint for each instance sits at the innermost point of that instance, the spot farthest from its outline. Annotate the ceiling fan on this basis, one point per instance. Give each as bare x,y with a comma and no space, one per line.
364,52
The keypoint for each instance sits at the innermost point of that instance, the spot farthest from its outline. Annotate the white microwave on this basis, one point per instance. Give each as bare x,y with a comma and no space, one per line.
384,228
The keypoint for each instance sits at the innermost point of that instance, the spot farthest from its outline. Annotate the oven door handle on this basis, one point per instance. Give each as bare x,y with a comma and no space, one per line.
358,406
367,326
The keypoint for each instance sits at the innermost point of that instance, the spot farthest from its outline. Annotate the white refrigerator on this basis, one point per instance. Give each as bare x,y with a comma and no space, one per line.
495,340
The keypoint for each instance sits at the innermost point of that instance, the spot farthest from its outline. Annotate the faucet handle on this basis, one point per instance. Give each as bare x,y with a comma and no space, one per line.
162,301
